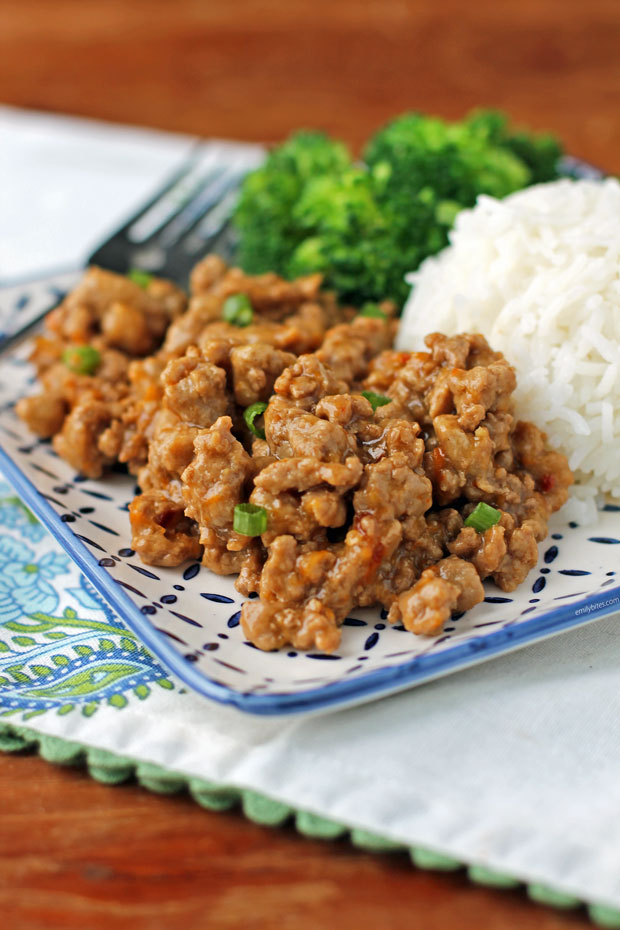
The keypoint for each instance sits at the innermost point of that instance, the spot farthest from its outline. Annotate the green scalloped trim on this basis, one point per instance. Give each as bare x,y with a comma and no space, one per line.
112,769
490,878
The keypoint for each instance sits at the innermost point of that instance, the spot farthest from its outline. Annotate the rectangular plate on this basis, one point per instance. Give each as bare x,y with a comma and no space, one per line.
189,617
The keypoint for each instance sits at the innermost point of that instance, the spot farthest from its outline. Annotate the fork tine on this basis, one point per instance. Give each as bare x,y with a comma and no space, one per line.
195,210
199,227
202,173
216,221
168,185
151,239
204,206
199,222
181,259
212,224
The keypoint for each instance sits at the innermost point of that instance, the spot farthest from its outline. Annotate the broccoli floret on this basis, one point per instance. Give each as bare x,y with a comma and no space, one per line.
455,161
541,152
309,208
491,125
347,237
268,233
424,171
357,271
338,202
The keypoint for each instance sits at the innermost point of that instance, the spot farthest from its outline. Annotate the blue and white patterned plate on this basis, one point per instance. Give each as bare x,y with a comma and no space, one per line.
189,617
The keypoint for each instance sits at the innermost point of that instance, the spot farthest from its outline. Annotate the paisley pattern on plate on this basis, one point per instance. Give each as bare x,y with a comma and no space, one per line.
189,617
62,649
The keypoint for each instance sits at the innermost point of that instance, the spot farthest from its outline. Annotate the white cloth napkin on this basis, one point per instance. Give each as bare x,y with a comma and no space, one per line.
512,765
66,184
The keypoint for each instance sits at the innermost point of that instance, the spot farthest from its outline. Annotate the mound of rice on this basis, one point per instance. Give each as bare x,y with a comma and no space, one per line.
538,274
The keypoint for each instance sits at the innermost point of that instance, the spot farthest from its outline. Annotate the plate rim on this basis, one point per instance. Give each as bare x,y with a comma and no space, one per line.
339,694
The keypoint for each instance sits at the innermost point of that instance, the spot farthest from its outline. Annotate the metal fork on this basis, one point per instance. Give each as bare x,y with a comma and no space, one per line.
186,218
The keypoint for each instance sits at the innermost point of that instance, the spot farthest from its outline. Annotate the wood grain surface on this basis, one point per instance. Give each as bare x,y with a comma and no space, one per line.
74,854
80,856
255,69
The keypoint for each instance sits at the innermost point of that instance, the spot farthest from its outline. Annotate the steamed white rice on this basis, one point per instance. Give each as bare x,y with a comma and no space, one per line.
538,274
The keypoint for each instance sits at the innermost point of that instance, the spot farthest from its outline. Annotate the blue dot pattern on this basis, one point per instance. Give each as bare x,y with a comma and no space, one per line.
191,618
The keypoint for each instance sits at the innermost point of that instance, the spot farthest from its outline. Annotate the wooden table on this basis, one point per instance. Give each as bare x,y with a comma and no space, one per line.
76,854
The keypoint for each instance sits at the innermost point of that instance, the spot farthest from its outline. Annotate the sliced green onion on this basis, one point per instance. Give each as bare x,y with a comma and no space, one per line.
373,310
483,517
249,415
237,310
139,277
376,400
250,520
81,360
